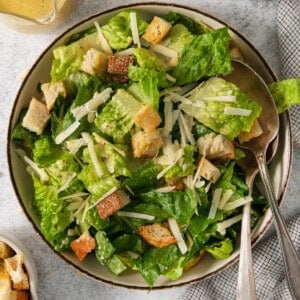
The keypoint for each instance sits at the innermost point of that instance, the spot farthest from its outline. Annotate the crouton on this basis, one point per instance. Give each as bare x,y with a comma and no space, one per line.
208,170
119,64
157,30
121,78
5,284
19,295
83,245
157,235
2,267
14,267
254,132
216,147
36,117
94,62
146,144
194,261
51,91
5,250
175,181
147,118
112,204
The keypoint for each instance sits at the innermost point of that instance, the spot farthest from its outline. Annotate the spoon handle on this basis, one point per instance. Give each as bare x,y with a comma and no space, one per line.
246,283
291,260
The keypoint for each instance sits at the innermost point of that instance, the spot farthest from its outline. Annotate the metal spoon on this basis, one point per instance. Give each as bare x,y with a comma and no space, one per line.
250,82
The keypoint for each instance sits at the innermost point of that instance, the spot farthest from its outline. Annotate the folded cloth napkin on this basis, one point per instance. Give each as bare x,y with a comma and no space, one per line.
267,261
268,269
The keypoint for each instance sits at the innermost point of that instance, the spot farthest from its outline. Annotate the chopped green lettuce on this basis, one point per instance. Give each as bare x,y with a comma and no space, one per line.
286,93
68,59
193,26
116,265
220,249
206,55
117,30
93,219
117,117
104,248
212,113
129,242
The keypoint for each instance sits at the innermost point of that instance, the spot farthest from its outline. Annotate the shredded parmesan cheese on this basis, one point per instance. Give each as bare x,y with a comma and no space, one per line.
166,51
168,108
174,228
236,203
236,111
222,226
170,78
66,133
226,98
128,51
165,189
134,29
135,215
99,139
103,41
67,183
187,129
226,196
91,148
214,203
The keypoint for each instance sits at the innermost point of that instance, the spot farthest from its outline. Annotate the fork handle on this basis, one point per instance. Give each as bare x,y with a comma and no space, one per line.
246,283
291,260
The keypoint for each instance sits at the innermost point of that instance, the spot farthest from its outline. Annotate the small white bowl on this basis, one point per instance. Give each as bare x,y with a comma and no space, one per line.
29,263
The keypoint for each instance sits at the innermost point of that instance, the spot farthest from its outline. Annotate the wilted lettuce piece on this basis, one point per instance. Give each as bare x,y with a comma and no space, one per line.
180,205
104,248
117,30
188,163
220,249
144,178
193,26
55,217
117,117
156,261
45,152
206,55
286,93
116,265
212,113
179,37
68,59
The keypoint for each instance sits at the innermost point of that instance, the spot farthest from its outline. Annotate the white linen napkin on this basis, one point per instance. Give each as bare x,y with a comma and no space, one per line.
267,260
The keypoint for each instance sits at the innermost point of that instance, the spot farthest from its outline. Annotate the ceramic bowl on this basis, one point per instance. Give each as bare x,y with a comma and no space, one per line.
29,263
279,167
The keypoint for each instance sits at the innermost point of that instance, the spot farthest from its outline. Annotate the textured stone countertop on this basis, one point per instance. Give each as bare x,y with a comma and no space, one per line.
255,19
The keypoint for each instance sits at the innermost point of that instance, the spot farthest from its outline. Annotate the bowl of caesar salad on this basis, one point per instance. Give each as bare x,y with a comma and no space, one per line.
121,146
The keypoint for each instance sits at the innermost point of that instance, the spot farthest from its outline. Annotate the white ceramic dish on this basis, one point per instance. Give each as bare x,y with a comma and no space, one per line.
29,263
279,168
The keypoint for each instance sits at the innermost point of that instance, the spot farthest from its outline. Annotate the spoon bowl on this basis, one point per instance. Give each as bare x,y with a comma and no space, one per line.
252,84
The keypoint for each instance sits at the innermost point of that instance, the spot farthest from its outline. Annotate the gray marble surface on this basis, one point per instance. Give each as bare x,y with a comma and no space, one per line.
255,19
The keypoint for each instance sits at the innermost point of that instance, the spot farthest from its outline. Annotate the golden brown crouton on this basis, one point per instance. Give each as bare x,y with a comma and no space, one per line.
194,261
36,117
175,181
146,144
157,235
5,250
208,170
19,295
94,62
147,118
119,64
51,90
216,147
83,245
157,30
254,132
5,284
14,267
112,204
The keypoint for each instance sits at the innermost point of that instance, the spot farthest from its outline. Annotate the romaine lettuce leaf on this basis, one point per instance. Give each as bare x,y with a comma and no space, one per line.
220,249
117,117
117,30
68,59
129,242
104,248
286,93
180,205
193,26
212,113
116,265
206,55
93,219
156,261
